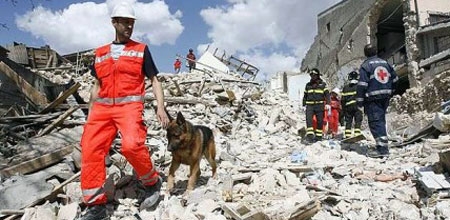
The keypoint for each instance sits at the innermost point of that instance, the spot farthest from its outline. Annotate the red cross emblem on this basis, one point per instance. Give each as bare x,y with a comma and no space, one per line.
381,74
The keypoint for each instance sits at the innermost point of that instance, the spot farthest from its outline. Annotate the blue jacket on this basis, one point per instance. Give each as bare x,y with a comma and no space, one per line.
377,80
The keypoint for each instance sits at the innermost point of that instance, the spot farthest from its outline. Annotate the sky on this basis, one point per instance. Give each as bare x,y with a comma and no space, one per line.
273,35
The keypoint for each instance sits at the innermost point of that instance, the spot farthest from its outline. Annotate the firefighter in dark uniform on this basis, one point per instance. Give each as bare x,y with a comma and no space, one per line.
377,82
349,106
315,97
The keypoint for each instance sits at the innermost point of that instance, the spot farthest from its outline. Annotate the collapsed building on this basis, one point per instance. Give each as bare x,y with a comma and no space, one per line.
264,170
412,35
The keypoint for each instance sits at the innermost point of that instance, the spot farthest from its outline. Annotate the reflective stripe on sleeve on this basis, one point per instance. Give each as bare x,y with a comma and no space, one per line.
349,93
350,102
363,84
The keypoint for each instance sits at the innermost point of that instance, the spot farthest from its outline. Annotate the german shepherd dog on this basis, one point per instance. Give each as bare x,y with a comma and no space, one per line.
188,143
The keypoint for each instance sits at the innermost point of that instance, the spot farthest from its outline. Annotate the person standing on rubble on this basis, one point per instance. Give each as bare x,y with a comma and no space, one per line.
191,59
316,95
177,65
333,112
350,108
377,83
116,104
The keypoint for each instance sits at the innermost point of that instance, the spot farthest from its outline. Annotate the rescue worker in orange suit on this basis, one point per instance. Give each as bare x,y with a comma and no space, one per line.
350,108
177,65
333,113
314,97
191,59
116,104
376,85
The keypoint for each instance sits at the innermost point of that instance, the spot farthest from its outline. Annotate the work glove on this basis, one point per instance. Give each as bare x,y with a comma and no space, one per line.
327,107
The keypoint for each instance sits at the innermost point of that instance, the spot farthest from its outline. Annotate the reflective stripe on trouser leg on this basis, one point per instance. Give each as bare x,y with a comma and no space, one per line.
98,134
310,130
319,132
309,120
319,112
348,133
357,131
94,196
348,122
134,133
382,141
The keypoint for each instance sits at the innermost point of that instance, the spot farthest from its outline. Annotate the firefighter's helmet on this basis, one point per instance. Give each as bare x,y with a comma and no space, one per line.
353,75
314,71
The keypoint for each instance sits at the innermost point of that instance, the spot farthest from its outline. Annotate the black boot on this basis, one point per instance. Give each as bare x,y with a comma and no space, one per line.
380,152
309,139
151,197
95,212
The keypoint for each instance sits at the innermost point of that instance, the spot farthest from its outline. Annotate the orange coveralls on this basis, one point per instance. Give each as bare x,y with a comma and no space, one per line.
119,107
332,120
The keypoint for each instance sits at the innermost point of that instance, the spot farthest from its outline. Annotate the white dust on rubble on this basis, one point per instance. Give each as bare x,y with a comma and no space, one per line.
255,138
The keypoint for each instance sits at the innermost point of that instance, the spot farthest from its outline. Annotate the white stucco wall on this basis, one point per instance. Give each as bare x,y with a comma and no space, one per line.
296,86
427,6
208,60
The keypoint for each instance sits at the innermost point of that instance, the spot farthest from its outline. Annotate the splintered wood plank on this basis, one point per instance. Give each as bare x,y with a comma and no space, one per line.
306,210
444,159
26,88
58,121
37,163
61,98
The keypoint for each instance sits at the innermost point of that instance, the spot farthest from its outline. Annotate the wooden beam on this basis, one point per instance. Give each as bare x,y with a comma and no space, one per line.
61,98
26,88
306,210
444,159
37,163
57,122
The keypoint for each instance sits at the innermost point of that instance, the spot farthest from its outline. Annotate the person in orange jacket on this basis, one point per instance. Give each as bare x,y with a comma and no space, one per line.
116,105
177,65
333,114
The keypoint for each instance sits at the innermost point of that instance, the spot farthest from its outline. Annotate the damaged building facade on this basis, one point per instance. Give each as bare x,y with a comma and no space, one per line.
412,35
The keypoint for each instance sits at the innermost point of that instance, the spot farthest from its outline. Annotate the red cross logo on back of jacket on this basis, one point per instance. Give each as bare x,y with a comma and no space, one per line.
381,74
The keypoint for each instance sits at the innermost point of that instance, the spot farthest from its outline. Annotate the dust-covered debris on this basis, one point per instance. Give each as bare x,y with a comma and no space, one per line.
260,173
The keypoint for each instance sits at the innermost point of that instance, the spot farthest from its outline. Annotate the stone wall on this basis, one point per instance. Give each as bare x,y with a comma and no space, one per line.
427,98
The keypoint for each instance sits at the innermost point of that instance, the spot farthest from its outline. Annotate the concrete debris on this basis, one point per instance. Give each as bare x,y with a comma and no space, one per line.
264,172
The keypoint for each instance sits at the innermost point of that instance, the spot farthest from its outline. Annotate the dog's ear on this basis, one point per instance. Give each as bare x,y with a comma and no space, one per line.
168,115
180,119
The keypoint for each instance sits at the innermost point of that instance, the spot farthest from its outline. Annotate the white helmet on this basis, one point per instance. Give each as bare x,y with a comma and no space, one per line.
123,10
337,91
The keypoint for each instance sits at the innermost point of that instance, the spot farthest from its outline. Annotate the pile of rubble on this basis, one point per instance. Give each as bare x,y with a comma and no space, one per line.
264,170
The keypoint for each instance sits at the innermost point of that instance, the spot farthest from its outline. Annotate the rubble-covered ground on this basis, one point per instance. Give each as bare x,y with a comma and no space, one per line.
264,171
